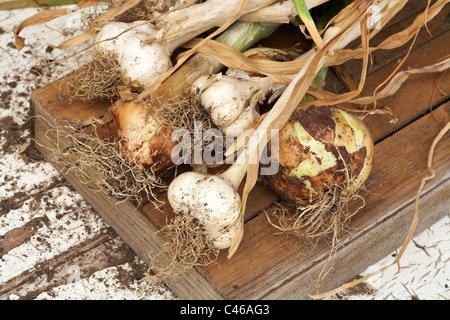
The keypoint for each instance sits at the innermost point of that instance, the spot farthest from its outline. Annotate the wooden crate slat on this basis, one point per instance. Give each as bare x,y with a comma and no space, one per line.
382,58
127,220
140,243
265,258
268,265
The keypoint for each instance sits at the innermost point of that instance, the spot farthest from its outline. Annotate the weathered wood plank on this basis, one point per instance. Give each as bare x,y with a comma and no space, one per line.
382,58
17,236
60,269
265,260
133,226
269,265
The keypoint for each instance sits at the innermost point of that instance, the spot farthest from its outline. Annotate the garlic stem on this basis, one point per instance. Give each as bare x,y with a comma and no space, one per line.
145,62
240,36
328,35
236,173
280,12
185,24
306,18
279,106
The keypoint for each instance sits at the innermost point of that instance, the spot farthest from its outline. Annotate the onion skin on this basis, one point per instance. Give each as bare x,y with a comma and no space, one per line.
317,147
140,136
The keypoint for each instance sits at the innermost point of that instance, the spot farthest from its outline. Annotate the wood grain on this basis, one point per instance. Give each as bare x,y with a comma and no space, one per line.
268,265
265,259
127,220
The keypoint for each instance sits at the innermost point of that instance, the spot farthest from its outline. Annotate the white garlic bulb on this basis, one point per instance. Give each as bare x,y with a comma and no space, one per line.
139,61
212,200
231,99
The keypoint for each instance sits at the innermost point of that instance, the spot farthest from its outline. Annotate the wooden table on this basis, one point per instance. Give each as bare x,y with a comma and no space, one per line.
271,266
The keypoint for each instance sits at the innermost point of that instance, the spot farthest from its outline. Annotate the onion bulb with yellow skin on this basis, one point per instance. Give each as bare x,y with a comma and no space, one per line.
141,136
319,148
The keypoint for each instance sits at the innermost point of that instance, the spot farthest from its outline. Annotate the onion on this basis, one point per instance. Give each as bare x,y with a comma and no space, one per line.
139,61
321,147
141,136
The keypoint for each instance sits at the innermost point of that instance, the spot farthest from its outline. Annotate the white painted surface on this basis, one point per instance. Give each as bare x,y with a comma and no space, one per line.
423,272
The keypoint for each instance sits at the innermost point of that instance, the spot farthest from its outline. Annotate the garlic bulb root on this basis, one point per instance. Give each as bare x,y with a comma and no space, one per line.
211,200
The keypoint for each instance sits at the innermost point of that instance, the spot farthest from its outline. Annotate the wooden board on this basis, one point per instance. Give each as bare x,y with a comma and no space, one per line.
272,266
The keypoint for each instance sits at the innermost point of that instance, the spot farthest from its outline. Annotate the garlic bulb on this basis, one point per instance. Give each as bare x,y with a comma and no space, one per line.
144,50
139,60
212,200
321,147
231,99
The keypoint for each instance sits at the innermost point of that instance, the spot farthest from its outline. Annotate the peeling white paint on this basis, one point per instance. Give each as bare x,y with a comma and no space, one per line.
424,269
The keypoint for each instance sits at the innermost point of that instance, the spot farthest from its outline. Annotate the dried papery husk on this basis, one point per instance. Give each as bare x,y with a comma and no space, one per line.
235,60
397,81
286,105
100,164
272,68
186,246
